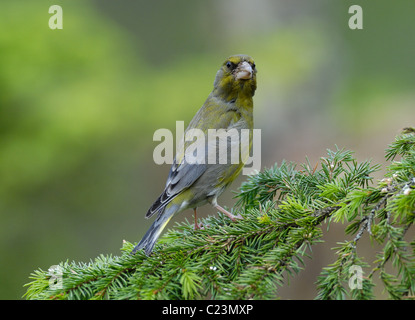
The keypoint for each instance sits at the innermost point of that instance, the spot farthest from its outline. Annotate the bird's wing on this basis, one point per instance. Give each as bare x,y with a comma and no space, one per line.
183,174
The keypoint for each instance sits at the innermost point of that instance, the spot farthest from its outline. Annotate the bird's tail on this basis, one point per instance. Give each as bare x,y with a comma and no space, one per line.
153,233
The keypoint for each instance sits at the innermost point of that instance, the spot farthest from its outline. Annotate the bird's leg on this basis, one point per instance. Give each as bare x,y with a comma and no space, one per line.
227,213
196,225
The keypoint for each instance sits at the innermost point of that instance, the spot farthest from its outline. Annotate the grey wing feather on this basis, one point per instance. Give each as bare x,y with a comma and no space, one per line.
181,177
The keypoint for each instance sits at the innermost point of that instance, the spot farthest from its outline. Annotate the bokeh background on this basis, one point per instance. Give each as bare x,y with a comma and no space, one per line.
79,106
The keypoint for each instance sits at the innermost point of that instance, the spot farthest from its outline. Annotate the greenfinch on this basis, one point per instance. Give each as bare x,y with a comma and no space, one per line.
190,185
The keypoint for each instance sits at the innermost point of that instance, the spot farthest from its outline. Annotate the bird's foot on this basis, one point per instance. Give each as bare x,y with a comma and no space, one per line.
228,214
237,217
200,226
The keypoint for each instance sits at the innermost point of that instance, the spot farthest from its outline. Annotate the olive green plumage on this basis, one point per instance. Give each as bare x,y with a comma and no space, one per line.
191,185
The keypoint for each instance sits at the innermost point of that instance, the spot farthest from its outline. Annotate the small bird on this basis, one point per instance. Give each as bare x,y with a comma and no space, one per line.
191,185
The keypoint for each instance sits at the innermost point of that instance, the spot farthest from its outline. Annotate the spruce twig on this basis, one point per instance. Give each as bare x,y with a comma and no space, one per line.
284,209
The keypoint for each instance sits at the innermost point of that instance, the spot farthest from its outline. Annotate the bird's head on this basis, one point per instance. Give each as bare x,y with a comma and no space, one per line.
236,78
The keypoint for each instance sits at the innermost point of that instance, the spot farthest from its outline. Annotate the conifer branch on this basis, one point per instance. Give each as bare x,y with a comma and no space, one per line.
284,208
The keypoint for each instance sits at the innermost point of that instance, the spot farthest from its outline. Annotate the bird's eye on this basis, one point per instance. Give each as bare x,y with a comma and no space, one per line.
253,66
229,65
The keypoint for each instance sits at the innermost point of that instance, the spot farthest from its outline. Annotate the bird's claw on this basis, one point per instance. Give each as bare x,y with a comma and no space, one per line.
235,218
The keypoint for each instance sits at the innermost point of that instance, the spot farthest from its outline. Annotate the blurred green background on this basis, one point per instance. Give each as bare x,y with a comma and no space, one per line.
79,106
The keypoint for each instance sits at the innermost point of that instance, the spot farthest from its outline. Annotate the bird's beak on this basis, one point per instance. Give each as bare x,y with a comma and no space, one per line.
244,71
